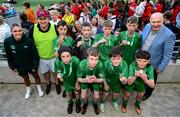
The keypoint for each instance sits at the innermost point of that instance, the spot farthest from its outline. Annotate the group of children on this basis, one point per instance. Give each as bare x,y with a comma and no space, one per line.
104,64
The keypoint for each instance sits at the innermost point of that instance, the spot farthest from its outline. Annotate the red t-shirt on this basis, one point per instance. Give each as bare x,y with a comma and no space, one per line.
104,11
175,12
158,8
131,12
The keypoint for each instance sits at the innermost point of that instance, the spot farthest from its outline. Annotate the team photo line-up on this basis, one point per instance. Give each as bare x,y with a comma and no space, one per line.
82,60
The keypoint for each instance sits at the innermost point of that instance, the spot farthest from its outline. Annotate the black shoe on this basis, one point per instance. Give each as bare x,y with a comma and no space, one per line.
64,94
78,106
70,108
58,89
73,95
84,108
48,88
96,108
145,97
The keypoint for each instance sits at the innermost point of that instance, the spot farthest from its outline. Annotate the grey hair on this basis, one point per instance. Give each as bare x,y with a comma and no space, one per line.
15,25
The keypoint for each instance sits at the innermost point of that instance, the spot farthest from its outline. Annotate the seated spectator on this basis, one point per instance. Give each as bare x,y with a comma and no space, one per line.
54,14
167,20
29,12
4,29
85,16
68,17
25,24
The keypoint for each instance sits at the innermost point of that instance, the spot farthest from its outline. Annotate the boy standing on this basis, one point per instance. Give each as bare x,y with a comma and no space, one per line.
62,39
130,40
106,41
84,42
90,73
140,74
65,69
116,71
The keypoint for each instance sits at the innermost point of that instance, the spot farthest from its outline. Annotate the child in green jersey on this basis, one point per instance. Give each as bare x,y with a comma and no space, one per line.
62,39
140,74
66,68
104,42
90,73
130,40
84,41
116,73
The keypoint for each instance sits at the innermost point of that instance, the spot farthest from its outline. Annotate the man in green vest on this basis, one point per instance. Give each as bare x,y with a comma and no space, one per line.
43,34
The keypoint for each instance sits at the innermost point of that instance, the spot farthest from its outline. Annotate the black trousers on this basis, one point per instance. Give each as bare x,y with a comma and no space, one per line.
148,90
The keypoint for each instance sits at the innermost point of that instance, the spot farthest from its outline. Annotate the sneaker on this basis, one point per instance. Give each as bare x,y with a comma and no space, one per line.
70,108
58,89
102,107
48,88
138,110
116,106
28,93
123,109
145,97
64,94
78,107
96,109
84,108
41,93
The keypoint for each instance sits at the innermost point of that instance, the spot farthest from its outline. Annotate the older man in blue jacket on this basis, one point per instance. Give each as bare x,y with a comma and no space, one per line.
159,41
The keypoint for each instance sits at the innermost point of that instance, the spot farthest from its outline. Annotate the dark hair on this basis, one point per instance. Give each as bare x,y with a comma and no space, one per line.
142,54
64,49
168,14
23,16
42,6
116,51
111,11
96,20
61,23
93,51
132,19
86,24
27,4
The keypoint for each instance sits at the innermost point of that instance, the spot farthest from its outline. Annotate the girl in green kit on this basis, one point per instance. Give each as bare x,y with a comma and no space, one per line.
116,73
106,41
130,41
140,74
66,68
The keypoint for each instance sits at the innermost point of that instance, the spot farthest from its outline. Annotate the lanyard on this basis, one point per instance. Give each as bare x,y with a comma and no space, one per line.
111,66
83,42
88,74
126,38
70,69
108,39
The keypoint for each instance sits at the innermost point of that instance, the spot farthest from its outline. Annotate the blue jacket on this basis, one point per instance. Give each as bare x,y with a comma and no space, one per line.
161,48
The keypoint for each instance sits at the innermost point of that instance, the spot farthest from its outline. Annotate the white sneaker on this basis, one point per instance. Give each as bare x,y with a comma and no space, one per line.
102,107
41,93
28,92
116,106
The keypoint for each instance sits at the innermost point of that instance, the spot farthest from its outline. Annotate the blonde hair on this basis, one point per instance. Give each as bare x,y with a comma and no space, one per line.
54,12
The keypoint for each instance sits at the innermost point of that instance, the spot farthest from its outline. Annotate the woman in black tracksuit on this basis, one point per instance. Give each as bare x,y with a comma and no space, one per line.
23,58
